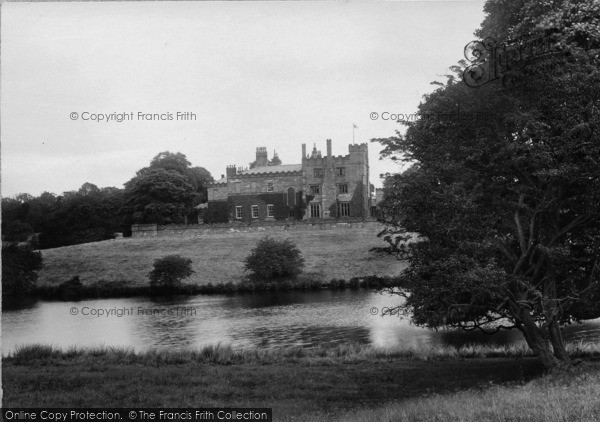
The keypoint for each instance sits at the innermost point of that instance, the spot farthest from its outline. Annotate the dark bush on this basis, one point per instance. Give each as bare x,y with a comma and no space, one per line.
355,282
19,266
169,271
71,288
336,283
273,258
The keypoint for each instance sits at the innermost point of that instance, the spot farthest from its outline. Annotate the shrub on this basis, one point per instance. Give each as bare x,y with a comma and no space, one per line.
337,283
19,266
71,288
169,271
273,258
355,282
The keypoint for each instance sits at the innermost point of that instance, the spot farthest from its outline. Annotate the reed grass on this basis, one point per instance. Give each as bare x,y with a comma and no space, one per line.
225,354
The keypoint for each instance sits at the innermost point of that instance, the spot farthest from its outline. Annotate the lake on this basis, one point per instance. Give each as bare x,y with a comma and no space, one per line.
269,320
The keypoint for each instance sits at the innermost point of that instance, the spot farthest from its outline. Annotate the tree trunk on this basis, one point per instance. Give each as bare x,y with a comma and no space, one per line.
558,344
533,336
552,313
537,343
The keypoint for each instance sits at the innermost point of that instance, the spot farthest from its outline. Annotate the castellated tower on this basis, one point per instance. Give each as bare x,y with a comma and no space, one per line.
336,186
262,159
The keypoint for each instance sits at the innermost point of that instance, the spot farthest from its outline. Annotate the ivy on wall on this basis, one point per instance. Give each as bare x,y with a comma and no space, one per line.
217,212
356,203
281,210
225,211
333,210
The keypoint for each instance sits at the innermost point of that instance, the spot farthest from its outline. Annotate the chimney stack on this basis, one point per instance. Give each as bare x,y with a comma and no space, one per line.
231,171
329,149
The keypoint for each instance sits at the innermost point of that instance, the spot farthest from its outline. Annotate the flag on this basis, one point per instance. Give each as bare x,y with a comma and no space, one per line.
354,126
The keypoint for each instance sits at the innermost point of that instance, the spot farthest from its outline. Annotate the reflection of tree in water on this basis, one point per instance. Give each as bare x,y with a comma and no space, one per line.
292,297
305,336
163,330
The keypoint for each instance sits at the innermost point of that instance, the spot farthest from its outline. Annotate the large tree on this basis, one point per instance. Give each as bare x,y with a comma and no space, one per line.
167,190
505,189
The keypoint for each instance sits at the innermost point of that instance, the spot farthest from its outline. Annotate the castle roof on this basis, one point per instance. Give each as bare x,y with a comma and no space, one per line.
284,168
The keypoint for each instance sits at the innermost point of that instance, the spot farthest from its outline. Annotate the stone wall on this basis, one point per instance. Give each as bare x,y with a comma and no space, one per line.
152,230
144,230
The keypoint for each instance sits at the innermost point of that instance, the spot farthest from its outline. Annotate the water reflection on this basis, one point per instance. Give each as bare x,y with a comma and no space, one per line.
269,320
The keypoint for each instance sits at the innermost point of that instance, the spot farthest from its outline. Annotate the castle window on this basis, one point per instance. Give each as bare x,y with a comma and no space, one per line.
318,172
270,186
253,186
254,211
340,171
270,211
238,212
238,187
344,209
315,189
315,210
343,188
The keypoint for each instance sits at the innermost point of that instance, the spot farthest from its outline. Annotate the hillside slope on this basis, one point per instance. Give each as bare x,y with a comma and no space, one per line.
334,253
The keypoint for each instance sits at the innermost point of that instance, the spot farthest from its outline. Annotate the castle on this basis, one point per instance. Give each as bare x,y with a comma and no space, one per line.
320,187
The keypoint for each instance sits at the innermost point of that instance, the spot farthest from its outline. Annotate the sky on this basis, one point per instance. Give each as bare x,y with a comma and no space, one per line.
240,74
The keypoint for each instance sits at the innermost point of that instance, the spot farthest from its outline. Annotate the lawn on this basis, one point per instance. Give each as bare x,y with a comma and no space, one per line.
217,258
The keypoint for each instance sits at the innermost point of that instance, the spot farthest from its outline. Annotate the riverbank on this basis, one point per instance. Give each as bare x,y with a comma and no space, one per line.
75,290
217,258
347,382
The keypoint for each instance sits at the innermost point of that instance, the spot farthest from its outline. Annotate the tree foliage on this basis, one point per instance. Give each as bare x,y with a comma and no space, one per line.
170,270
272,258
164,192
87,215
507,206
19,270
167,190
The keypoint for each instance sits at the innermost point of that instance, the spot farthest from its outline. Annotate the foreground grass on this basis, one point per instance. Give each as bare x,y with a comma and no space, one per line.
217,258
568,396
347,382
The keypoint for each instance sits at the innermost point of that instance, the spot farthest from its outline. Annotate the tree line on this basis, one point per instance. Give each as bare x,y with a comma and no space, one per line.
164,192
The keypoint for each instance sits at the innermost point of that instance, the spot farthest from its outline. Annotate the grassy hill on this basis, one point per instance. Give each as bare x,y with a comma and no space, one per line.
217,258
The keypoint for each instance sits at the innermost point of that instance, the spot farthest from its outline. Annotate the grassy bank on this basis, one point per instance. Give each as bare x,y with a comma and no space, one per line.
348,382
74,291
217,258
